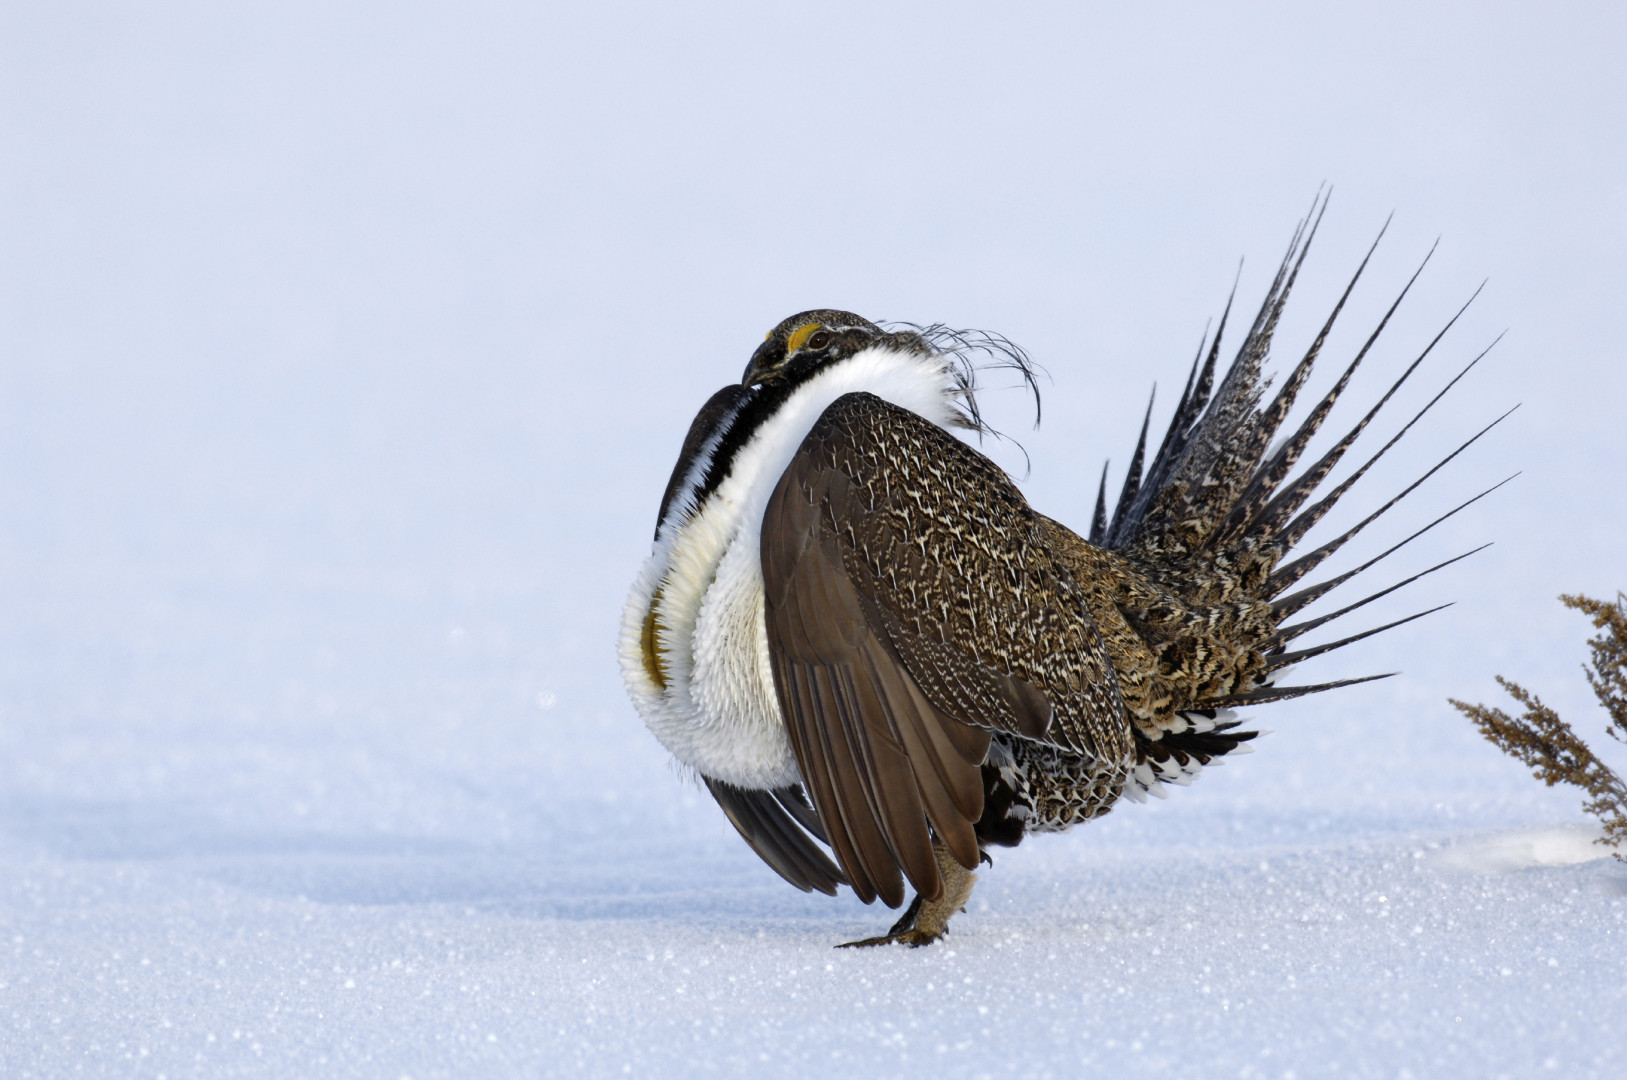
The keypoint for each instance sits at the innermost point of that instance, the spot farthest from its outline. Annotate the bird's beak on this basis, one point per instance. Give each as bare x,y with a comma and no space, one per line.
767,355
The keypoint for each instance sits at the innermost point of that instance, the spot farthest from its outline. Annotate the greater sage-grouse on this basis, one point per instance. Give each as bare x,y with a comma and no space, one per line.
857,632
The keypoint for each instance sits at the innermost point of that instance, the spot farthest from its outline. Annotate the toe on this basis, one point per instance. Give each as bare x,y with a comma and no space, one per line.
885,939
913,938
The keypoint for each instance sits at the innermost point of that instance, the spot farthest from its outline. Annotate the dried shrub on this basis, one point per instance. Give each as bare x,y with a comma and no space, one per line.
1540,739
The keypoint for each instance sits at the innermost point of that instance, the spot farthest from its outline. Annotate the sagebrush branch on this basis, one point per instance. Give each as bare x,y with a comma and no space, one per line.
1549,746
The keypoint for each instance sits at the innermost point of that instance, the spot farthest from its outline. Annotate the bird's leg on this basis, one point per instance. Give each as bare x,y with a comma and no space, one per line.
924,922
906,920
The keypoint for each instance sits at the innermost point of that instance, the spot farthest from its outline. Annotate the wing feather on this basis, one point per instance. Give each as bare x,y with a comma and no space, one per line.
773,835
909,618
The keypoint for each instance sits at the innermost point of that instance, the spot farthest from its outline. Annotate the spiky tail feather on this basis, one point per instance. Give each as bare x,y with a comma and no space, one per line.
1187,576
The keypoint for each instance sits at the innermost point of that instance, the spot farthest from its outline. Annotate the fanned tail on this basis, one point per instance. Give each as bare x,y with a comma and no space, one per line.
1196,548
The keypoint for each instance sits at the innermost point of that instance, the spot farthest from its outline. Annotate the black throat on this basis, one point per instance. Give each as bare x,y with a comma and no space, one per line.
738,411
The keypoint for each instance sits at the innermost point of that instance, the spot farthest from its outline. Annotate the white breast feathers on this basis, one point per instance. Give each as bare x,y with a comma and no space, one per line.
693,648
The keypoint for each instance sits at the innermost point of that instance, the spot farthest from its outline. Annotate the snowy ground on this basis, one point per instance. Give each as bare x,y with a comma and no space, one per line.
359,880
344,355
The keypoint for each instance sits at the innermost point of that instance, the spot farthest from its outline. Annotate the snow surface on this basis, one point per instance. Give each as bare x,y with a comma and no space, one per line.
345,351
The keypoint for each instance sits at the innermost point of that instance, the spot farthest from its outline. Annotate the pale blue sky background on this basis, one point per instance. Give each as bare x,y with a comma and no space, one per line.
431,291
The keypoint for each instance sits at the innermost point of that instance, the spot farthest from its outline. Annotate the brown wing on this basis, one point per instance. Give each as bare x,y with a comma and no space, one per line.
911,610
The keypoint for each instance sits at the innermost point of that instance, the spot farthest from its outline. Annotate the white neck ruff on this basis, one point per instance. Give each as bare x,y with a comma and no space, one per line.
718,713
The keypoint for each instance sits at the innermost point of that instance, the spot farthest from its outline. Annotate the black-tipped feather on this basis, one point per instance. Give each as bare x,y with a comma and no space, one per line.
1289,633
1132,479
1268,694
1298,601
1270,419
1191,406
1258,499
1205,471
1098,520
1289,501
1282,660
1287,575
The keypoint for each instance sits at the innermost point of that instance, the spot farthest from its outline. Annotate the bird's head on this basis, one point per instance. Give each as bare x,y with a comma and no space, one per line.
811,340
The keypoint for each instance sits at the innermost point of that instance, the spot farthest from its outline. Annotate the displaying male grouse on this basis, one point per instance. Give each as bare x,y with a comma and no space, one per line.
857,632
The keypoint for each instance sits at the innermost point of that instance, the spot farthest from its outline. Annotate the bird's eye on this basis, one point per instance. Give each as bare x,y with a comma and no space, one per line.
819,340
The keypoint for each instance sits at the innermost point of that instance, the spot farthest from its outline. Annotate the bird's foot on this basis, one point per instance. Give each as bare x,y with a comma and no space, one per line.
924,922
903,931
